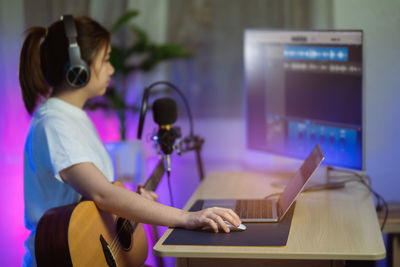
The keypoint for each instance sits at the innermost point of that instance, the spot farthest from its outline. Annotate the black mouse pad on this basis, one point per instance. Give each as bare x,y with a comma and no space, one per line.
256,234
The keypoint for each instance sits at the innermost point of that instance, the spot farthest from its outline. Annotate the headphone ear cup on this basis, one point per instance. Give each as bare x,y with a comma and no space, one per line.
77,75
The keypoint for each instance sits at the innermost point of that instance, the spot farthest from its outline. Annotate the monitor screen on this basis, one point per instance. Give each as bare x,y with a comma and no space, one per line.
305,88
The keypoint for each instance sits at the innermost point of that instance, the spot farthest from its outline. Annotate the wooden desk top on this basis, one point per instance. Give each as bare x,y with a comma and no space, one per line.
337,224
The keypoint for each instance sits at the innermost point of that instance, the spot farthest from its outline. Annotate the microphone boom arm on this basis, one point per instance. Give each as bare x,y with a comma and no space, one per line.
191,142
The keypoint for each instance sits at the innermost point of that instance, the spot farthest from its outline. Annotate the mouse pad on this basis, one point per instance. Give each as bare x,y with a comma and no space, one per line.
256,234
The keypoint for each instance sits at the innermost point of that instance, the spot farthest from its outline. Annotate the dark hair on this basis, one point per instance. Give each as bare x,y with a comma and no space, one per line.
44,56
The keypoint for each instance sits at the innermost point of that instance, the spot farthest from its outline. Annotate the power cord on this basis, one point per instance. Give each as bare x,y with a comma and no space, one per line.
171,198
272,195
381,202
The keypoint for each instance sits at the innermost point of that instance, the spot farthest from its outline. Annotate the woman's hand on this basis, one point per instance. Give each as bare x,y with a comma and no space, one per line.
146,193
212,217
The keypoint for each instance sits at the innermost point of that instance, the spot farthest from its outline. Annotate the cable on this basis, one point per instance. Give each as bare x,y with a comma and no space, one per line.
272,195
336,185
350,172
378,197
171,198
325,186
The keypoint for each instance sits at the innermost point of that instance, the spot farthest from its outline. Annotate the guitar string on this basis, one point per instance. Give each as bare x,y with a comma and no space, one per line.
115,244
118,244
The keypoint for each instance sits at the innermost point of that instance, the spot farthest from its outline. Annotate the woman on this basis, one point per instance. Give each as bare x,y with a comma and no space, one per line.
64,158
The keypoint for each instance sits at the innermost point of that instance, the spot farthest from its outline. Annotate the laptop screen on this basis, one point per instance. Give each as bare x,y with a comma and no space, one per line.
297,183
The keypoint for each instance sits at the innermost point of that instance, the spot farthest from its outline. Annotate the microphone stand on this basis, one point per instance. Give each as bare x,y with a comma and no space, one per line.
190,143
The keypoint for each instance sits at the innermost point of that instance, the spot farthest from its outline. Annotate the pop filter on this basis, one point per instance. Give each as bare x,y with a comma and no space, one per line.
143,110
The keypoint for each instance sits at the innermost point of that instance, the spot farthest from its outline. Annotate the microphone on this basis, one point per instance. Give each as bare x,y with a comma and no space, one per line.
165,115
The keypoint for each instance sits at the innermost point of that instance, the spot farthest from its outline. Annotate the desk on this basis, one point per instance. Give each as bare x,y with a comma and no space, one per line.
392,227
327,225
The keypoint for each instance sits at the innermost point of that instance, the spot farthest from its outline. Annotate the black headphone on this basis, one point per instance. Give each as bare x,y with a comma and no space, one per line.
77,72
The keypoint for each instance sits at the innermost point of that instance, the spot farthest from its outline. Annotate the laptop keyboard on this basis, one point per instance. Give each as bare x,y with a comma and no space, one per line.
254,208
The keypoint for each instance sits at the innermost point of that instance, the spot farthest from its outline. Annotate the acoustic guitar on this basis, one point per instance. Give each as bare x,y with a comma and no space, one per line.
82,235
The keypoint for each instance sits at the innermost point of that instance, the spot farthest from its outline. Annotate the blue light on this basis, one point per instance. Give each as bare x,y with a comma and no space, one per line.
338,144
316,53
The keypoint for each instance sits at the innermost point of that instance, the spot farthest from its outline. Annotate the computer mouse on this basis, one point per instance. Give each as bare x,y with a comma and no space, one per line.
231,227
241,227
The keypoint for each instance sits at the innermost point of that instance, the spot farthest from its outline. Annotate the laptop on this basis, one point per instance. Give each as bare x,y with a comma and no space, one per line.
272,210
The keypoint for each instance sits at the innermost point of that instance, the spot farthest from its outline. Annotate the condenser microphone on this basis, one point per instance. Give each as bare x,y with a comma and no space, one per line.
165,115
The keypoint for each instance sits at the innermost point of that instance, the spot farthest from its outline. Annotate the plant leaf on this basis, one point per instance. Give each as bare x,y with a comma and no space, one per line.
124,19
159,53
141,42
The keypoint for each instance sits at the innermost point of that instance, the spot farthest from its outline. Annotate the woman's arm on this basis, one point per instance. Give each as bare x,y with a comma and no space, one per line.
90,182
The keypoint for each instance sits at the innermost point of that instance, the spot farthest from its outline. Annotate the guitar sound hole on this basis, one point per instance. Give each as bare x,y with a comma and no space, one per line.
124,230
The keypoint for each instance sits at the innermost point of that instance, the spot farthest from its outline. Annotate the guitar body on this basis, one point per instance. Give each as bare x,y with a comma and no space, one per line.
82,235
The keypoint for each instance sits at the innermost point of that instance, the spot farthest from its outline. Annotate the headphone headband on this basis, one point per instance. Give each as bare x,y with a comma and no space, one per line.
77,72
70,29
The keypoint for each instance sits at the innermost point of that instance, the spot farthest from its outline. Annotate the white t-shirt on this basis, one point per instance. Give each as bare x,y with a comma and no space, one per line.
60,135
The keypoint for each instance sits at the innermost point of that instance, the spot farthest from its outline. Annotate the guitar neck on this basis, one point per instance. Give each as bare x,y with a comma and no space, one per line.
155,178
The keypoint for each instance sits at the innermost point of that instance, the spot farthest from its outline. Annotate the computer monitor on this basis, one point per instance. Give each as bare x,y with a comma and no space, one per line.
304,88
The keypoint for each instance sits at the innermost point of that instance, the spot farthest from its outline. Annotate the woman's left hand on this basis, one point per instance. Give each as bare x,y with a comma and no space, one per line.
146,193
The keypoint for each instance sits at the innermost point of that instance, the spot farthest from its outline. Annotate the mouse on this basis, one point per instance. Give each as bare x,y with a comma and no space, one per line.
231,227
241,227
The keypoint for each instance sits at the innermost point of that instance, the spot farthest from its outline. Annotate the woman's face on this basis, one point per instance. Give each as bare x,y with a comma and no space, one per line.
101,71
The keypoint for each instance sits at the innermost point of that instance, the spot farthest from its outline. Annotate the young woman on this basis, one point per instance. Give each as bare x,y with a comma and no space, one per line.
64,159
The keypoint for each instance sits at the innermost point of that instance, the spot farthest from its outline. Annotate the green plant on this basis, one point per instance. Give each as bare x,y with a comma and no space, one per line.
140,55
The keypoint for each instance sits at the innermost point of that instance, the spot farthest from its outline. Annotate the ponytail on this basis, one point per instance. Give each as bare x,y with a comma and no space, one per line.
31,79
